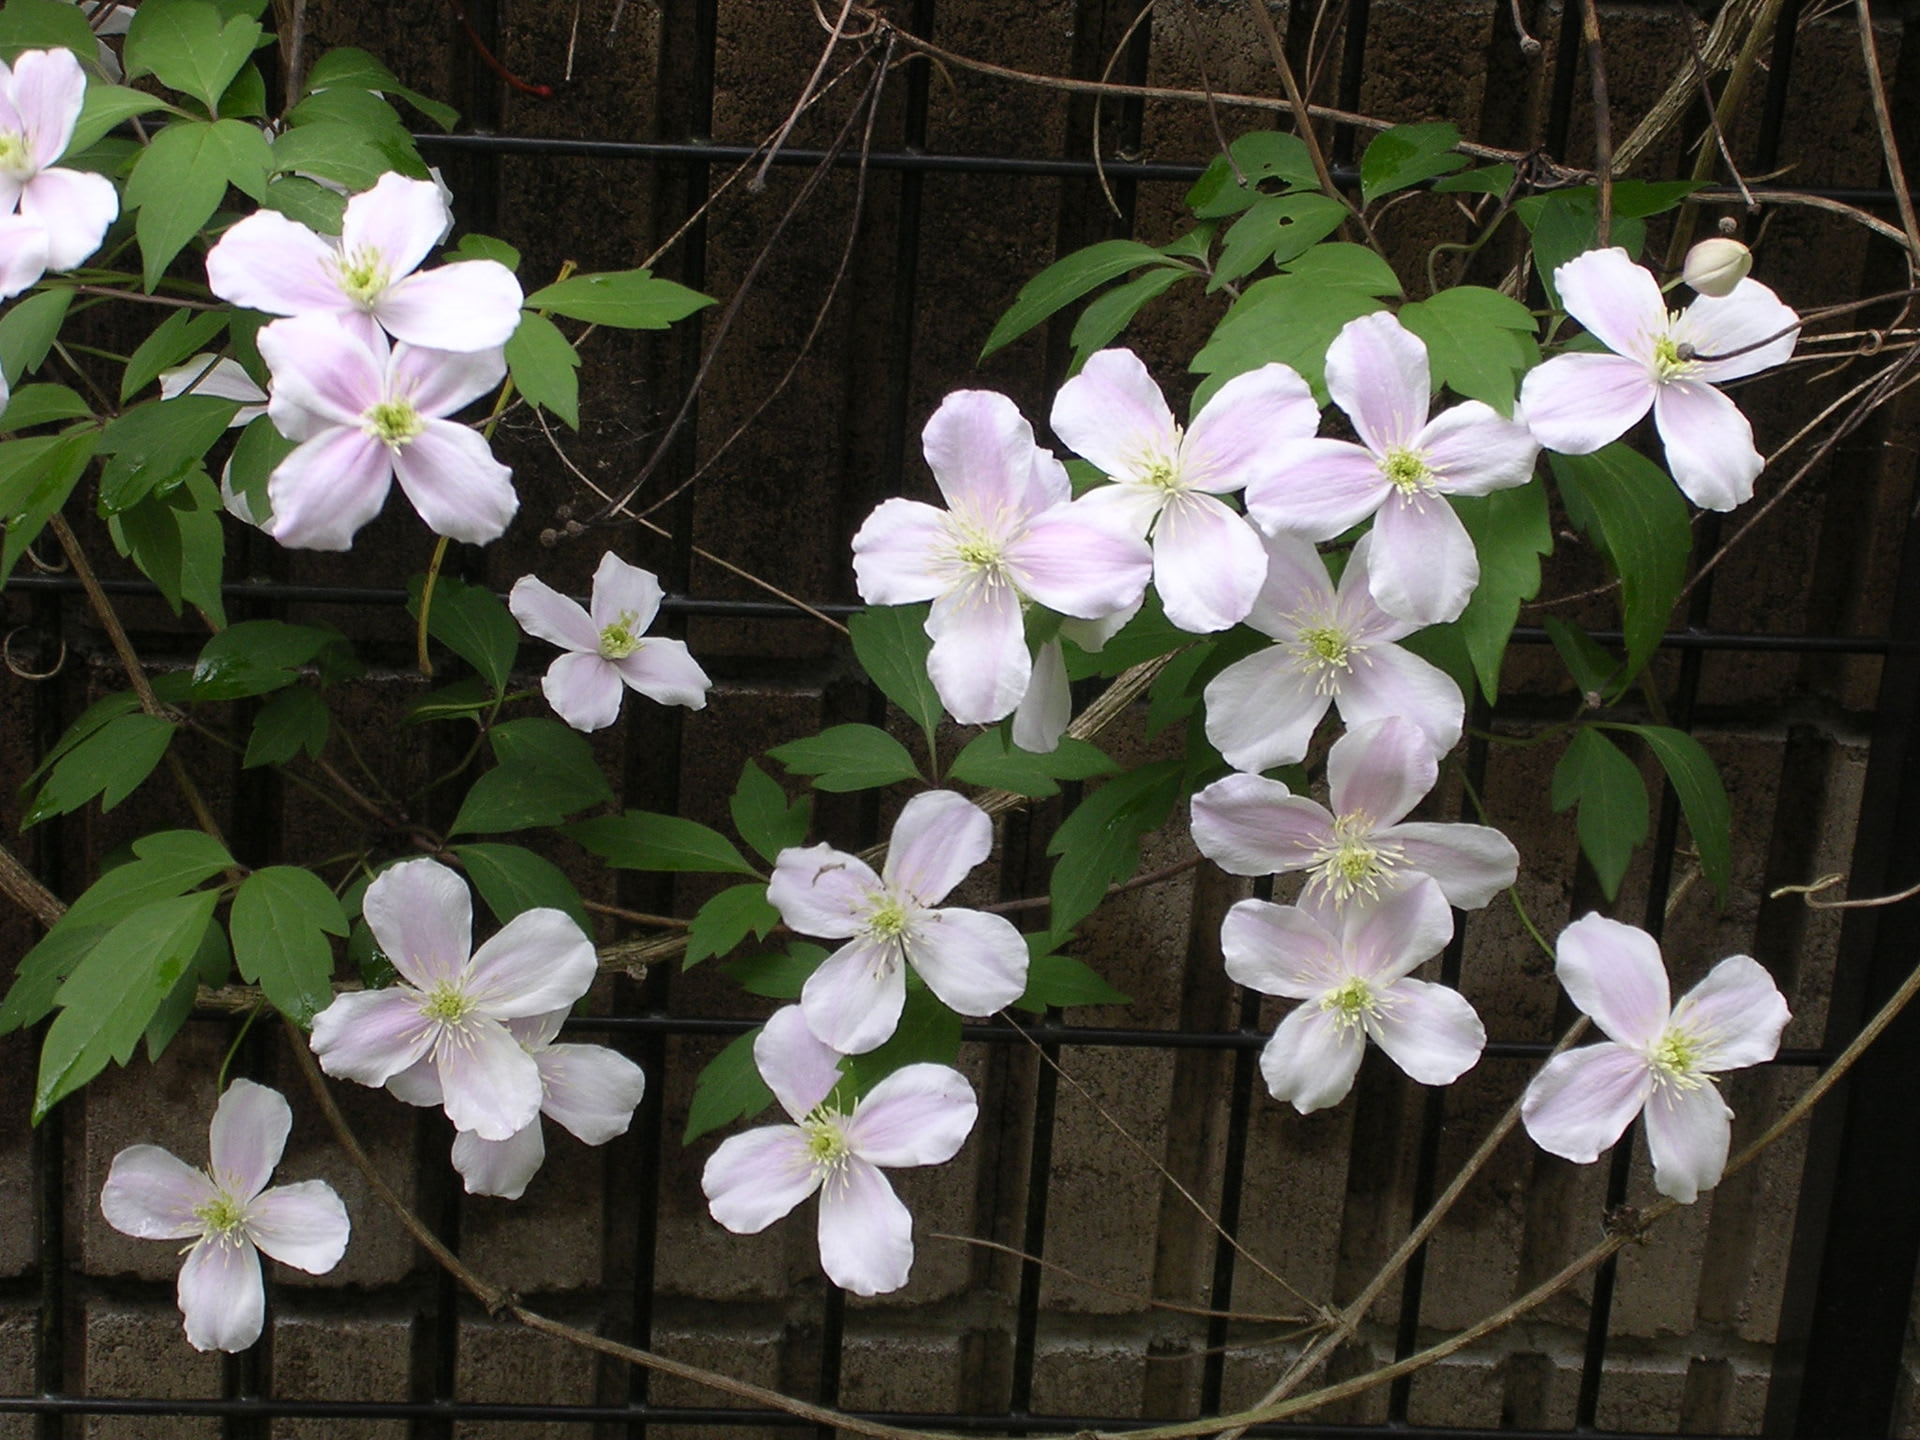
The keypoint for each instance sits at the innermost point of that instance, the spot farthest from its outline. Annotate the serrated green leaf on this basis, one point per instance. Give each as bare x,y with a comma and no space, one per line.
46,25
779,976
330,150
308,202
1479,342
1613,804
993,760
512,881
36,477
292,721
33,405
726,920
763,815
1405,155
542,362
104,107
181,178
470,621
183,333
1277,228
728,1088
1099,843
1703,798
546,772
641,840
27,329
892,646
1511,530
627,299
109,763
473,246
1483,180
1108,314
1062,981
191,47
1065,281
152,445
106,1003
282,917
848,757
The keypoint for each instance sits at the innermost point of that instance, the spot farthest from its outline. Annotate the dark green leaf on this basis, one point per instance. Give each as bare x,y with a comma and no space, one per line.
113,992
1259,155
1592,668
1145,636
628,299
1099,843
1276,228
308,202
543,361
472,246
1630,508
848,757
470,621
211,965
292,721
1065,281
256,454
108,707
330,150
190,46
513,881
892,645
1107,315
256,657
282,917
1565,223
1479,342
1511,530
1406,155
36,477
156,443
176,537
45,25
27,329
763,816
641,840
778,976
1485,180
546,773
246,97
33,405
181,178
1061,980
993,760
1613,804
462,699
105,107
727,919
166,863
728,1088
181,334
42,971
109,763
1703,796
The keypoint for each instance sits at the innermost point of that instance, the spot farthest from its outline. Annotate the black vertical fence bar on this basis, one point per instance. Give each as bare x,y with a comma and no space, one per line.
1033,1240
1353,71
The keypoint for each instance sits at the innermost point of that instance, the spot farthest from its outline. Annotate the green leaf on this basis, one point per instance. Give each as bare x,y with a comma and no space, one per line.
1061,980
153,445
1065,281
1147,635
513,881
36,477
308,202
543,362
181,178
628,299
728,1088
1566,223
282,917
763,816
292,721
1511,530
1258,155
462,699
777,976
1637,199
1406,155
1629,507
27,330
45,25
190,46
474,246
1293,317
1479,342
110,763
330,150
546,772
166,863
992,759
348,68
727,919
176,537
1099,843
1107,315
1703,797
42,971
104,107
108,707
256,454
470,621
1592,668
1277,228
33,405
256,657
113,992
928,1033
892,645
848,757
641,840
1484,180
211,964
1613,804
181,334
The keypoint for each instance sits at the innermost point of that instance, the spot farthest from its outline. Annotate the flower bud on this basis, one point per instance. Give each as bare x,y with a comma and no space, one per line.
1715,266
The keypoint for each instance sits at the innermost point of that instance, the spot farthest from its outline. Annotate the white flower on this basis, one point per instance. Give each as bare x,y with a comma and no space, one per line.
1714,267
40,99
229,1214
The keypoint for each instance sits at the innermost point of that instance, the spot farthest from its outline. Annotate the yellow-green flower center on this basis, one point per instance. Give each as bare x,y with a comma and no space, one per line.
1161,474
1672,359
16,156
393,423
888,920
222,1215
826,1141
617,641
446,1003
1352,1005
1324,651
363,275
1356,863
1407,471
1675,1058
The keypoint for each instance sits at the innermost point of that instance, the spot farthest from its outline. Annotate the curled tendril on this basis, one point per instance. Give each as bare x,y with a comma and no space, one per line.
16,668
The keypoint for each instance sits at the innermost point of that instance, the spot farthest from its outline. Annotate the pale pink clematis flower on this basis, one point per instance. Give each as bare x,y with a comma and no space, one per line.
1008,536
366,414
1424,565
23,254
1207,561
452,1007
588,1090
1667,361
229,1214
40,99
1331,647
369,278
607,646
1363,848
1042,715
1351,969
1655,1062
919,1115
974,962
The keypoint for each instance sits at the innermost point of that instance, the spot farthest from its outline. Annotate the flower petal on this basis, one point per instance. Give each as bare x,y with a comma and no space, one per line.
819,890
1614,973
584,690
979,663
589,1090
1208,563
1042,715
468,305
1709,444
866,1233
1249,825
23,254
221,1295
418,1084
248,1135
421,912
1688,1132
322,375
1735,1015
1582,1101
1387,680
939,837
329,487
1280,950
1377,372
1316,488
546,614
208,374
975,962
1296,586
1470,863
1424,565
1430,1032
1381,770
980,449
439,382
1262,711
624,594
74,207
1752,315
665,671
48,90
1618,301
500,1167
1311,1060
1126,507
1113,414
400,219
451,477
896,553
491,1085
540,960
1473,449
1399,933
1231,436
1078,564
369,1036
150,1194
303,1225
754,1179
1576,403
853,1001
798,1068
918,1115
270,263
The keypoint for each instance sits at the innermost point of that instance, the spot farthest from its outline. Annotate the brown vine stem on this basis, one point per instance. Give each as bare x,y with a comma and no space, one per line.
1742,26
27,891
1827,882
1302,116
1883,118
1602,119
103,608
